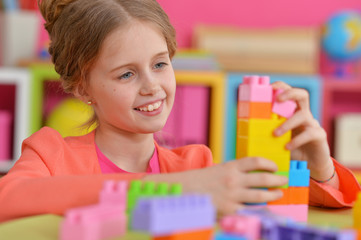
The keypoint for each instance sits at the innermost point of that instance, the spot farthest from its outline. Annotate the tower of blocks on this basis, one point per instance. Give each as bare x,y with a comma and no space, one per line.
258,115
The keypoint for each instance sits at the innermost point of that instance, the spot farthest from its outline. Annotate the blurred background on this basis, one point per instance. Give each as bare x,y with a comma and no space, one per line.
315,45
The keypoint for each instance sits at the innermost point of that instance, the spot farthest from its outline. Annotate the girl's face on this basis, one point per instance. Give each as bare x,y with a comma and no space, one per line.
132,83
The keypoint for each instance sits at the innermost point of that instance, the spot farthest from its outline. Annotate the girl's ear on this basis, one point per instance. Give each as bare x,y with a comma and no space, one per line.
81,93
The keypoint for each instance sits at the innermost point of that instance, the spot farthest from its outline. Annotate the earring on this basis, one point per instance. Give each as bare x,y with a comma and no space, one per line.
89,102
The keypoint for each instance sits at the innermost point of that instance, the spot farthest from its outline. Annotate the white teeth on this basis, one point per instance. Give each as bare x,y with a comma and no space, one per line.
150,107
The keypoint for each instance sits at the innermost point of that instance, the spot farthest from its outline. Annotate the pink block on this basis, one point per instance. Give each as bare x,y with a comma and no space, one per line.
286,108
114,193
5,135
255,89
297,212
94,222
247,226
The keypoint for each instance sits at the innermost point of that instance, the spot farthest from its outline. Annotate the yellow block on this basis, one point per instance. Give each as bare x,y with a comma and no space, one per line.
356,212
258,127
281,158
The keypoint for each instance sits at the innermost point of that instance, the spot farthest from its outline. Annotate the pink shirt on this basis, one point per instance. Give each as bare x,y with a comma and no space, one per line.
108,166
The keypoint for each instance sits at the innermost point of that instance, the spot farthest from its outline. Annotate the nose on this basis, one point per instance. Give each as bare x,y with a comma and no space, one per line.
150,84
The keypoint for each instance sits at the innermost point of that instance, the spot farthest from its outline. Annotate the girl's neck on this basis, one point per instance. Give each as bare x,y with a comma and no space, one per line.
130,152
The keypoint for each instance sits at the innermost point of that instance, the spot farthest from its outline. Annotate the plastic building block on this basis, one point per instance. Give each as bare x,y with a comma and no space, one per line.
227,236
94,222
255,89
171,214
283,200
5,135
248,226
257,110
298,195
259,127
203,234
286,108
297,212
299,174
114,193
137,190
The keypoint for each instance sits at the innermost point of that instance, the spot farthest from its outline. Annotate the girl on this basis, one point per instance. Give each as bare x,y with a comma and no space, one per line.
116,56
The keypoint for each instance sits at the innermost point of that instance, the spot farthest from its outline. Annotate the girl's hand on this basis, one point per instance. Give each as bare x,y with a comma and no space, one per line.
309,139
232,183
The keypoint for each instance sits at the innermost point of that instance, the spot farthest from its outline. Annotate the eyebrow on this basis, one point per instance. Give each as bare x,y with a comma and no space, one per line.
125,65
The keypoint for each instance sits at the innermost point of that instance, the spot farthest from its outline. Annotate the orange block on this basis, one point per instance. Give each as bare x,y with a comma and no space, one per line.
204,234
283,200
299,195
254,110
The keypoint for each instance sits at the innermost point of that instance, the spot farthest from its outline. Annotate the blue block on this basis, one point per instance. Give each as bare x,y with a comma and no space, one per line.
227,236
311,83
299,174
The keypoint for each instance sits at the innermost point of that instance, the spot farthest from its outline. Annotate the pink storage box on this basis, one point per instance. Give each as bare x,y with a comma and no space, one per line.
5,135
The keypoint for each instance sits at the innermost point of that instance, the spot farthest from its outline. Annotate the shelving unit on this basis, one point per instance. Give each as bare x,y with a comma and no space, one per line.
20,79
340,96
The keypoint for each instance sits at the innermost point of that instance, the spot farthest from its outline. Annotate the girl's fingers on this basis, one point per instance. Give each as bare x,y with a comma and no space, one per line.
299,95
281,85
264,179
253,195
308,135
300,118
248,164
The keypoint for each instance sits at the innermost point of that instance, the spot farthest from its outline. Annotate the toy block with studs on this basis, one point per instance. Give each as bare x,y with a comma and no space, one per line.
114,193
298,195
227,236
299,174
259,127
203,234
171,214
286,108
255,89
297,212
94,222
247,226
258,110
138,189
285,199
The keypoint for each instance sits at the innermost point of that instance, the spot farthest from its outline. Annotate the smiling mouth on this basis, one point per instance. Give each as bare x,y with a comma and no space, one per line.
150,108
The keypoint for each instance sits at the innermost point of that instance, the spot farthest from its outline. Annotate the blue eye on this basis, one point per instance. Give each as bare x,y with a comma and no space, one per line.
126,75
160,65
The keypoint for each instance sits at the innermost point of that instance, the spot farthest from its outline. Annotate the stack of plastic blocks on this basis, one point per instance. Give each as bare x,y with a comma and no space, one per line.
103,220
175,217
138,190
356,213
259,114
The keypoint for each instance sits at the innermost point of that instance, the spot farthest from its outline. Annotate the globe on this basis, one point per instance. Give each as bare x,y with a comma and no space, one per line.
69,116
341,36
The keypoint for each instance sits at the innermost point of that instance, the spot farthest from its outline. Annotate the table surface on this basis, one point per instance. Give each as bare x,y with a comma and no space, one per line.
46,227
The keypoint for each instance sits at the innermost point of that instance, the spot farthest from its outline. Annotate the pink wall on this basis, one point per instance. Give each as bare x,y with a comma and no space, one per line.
184,14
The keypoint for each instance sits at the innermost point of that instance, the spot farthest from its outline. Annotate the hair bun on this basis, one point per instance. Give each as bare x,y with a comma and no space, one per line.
51,9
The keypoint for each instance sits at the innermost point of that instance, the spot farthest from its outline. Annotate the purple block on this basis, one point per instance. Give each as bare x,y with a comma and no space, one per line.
166,215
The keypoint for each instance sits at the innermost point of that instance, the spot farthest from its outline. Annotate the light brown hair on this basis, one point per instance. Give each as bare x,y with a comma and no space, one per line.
77,29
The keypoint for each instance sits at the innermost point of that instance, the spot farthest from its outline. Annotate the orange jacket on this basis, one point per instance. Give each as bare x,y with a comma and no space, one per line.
54,174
